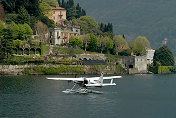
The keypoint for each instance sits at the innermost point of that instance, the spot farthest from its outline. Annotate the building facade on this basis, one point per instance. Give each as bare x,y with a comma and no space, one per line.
62,35
135,64
59,15
150,55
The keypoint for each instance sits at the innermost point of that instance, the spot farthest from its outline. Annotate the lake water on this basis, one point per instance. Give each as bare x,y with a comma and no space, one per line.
135,96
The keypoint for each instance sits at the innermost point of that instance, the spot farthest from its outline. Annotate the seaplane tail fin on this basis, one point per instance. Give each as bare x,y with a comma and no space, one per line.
101,78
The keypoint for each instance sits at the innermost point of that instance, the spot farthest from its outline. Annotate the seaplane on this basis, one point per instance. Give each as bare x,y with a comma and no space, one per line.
83,84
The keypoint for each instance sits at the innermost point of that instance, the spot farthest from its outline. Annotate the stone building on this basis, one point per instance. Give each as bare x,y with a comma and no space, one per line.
59,15
62,35
150,55
135,64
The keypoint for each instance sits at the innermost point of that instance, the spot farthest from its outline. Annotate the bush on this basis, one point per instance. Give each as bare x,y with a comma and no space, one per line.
62,69
120,69
164,69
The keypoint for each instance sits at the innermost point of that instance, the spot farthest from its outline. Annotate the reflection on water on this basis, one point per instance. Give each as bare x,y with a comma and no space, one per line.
136,96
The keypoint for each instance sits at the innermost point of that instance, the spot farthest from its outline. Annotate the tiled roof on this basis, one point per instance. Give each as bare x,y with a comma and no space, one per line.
58,8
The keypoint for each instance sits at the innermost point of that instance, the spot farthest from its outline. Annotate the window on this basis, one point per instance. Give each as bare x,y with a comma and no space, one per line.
54,17
58,35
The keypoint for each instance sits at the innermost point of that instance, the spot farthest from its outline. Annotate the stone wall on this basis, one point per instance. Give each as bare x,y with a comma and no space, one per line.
11,69
48,69
90,57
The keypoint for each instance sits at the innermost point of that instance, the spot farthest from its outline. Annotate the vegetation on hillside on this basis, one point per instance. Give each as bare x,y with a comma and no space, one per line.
20,20
164,56
73,11
22,11
163,61
153,19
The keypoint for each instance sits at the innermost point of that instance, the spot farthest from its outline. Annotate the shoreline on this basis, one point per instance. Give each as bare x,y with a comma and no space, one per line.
60,69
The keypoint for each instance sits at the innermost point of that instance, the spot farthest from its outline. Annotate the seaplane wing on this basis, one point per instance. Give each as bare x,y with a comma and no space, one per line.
110,77
67,79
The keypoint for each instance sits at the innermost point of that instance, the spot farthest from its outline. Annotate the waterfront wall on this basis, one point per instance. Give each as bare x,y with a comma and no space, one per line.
12,69
59,69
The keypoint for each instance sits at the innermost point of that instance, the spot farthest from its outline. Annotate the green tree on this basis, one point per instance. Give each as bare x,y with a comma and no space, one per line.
6,42
50,23
22,32
2,26
105,44
71,13
28,30
140,45
131,44
163,56
17,43
23,16
93,43
13,27
13,6
41,30
52,3
78,11
109,44
11,18
46,9
120,44
87,24
76,41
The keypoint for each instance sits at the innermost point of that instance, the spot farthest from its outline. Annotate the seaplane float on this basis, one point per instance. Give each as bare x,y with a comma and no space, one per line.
83,84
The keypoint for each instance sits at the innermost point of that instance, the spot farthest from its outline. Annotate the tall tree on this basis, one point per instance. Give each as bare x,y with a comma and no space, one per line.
70,3
46,9
12,6
41,29
164,56
13,27
6,42
93,44
52,3
59,2
78,11
105,44
87,24
76,41
71,13
120,44
140,45
23,16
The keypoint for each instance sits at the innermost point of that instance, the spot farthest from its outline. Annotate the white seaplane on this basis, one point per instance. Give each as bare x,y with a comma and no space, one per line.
84,83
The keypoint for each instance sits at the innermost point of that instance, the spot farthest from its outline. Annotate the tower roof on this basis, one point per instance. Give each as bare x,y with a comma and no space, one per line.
58,8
